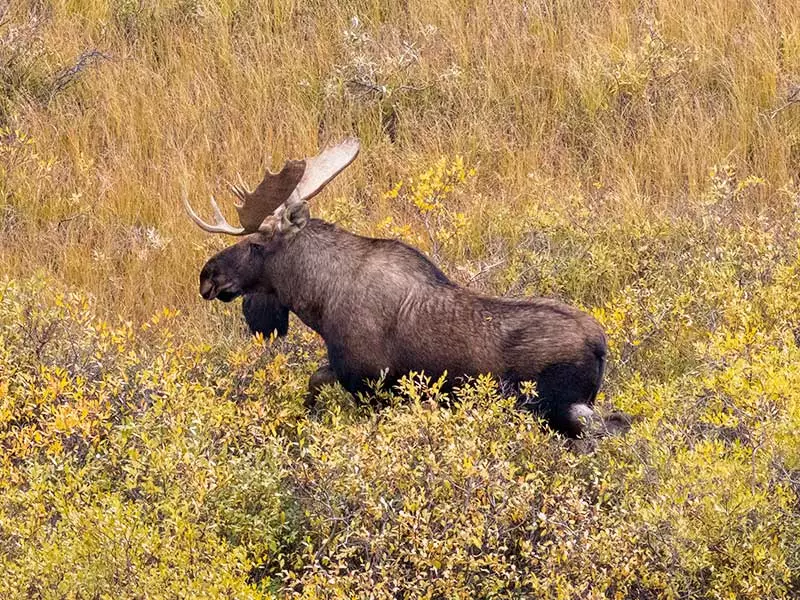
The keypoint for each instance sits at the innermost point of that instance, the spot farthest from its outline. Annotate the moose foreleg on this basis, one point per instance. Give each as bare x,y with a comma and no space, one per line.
322,376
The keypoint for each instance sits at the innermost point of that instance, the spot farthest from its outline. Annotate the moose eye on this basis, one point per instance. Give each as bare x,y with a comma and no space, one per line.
255,250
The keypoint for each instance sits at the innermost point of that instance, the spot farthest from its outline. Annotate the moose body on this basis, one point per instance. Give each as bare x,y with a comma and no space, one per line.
384,309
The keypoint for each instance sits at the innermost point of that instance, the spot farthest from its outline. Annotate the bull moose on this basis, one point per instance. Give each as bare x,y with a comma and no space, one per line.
384,309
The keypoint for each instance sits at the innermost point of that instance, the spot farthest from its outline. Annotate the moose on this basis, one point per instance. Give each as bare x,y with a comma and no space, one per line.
383,309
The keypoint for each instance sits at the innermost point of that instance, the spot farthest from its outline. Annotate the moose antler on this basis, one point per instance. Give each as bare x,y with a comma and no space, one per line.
297,181
275,189
326,165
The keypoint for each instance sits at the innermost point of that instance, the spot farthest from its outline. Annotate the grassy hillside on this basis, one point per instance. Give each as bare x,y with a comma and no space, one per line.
638,159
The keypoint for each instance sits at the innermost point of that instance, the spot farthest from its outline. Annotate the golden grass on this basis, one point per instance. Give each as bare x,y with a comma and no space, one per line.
624,106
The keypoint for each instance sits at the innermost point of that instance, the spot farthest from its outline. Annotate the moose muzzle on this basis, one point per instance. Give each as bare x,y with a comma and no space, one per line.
207,289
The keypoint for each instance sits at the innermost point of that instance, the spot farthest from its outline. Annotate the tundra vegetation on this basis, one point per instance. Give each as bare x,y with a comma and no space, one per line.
636,159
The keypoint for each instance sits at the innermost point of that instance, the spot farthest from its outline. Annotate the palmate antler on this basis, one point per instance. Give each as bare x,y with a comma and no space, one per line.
297,181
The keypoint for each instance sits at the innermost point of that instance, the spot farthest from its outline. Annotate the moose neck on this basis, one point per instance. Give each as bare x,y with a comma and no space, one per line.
313,268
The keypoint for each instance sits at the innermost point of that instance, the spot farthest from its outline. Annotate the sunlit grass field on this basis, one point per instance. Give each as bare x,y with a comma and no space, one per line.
638,159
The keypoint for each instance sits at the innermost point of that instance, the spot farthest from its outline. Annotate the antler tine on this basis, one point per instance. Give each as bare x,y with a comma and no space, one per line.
242,185
220,225
240,189
218,216
238,192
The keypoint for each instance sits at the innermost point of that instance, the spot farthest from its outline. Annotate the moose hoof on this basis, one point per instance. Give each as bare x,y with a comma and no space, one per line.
617,423
590,426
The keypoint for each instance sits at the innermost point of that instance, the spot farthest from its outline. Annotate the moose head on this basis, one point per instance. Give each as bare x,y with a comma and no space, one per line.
269,216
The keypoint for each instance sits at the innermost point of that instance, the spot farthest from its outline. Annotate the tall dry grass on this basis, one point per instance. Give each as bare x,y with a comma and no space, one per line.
620,109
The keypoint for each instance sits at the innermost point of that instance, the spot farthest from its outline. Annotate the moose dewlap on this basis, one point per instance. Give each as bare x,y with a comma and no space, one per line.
383,308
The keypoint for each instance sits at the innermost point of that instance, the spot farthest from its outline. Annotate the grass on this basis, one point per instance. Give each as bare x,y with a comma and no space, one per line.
626,108
639,160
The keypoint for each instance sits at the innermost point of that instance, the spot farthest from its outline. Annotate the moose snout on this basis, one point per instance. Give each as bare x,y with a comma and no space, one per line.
207,290
212,288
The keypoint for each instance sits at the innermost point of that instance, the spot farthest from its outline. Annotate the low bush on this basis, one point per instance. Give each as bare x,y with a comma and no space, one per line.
137,463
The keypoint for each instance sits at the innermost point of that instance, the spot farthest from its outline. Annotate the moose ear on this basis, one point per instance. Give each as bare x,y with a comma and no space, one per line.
294,217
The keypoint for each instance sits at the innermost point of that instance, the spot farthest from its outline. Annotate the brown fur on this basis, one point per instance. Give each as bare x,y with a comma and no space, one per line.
265,315
381,306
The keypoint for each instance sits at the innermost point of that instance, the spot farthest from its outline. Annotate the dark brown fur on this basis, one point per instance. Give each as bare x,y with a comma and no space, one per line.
265,315
382,306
